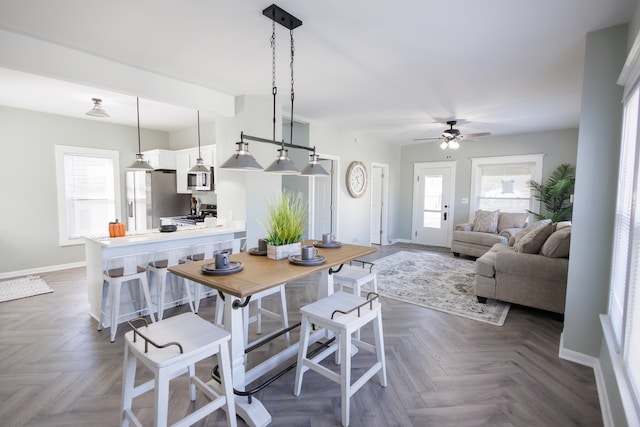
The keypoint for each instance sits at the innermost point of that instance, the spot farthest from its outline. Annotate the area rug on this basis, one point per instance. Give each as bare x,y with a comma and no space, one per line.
436,282
22,288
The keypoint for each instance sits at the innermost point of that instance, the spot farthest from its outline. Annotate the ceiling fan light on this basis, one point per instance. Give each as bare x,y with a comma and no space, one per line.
444,145
454,145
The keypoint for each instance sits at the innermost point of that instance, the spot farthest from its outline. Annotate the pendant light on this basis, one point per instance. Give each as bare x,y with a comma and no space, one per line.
97,110
242,160
314,168
199,166
140,164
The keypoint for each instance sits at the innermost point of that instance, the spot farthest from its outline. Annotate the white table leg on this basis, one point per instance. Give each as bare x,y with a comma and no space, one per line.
254,413
325,284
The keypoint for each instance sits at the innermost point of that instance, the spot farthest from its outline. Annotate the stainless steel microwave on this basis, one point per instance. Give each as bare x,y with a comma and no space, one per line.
200,181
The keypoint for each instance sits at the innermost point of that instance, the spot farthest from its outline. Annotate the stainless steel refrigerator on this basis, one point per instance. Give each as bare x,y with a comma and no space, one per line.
152,195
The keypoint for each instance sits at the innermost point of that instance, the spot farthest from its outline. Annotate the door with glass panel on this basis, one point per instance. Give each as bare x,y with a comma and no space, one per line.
433,203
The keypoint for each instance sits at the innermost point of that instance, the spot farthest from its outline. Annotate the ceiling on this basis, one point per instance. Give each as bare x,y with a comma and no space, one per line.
393,71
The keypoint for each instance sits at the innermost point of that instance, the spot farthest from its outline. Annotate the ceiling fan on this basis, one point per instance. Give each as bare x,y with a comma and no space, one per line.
451,137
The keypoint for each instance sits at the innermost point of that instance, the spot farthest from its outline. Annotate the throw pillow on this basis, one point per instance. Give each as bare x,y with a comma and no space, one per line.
512,220
562,224
557,245
486,221
533,240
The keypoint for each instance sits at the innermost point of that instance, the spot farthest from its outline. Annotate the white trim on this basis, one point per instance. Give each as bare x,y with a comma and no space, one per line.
631,69
575,356
385,200
38,270
334,176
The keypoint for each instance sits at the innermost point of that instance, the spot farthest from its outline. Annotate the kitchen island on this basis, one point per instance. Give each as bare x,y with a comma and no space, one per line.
99,249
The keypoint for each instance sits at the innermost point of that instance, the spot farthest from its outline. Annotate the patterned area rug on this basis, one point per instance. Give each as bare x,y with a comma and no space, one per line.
22,288
437,282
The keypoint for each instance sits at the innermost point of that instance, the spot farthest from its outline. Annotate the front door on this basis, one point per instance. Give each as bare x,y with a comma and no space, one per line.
433,203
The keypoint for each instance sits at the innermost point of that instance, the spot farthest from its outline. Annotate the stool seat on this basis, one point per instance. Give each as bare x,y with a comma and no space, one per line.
170,348
343,314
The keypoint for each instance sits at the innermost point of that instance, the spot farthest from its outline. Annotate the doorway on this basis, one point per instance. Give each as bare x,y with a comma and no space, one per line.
433,196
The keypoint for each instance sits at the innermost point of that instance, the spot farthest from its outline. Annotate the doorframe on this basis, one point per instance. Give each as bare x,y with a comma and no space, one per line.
333,176
384,200
452,188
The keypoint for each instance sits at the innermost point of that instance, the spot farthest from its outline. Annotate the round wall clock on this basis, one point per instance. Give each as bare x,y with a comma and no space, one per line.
356,179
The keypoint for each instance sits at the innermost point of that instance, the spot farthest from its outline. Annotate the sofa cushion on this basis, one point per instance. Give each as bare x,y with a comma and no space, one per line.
533,240
512,220
485,265
486,221
557,245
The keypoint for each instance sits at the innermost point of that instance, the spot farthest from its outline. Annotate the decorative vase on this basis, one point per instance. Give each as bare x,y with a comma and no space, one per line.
283,251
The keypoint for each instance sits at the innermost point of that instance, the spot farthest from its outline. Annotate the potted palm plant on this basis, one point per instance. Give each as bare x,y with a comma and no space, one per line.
555,194
285,225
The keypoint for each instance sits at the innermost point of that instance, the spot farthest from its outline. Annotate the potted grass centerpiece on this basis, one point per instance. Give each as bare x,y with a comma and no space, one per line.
285,224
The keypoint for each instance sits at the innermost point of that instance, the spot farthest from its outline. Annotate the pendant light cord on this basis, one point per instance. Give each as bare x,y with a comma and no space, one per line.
292,93
199,154
138,111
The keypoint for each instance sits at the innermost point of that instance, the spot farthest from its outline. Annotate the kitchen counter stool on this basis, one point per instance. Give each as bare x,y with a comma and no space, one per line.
118,271
159,274
170,348
355,276
343,314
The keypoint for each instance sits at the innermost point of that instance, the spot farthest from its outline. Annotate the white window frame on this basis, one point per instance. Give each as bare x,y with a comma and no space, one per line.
478,162
60,152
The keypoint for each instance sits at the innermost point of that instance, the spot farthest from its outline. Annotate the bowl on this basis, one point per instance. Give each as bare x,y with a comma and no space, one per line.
168,228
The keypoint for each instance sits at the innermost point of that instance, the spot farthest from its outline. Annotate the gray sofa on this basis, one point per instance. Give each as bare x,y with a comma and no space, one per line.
522,274
487,229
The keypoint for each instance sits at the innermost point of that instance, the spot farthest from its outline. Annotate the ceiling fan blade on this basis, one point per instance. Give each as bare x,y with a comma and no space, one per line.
427,139
476,135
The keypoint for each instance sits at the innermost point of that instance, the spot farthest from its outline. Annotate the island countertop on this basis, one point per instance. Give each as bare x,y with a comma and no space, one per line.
149,236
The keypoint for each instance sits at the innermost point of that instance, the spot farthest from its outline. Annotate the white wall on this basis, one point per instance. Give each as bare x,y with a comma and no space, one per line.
28,218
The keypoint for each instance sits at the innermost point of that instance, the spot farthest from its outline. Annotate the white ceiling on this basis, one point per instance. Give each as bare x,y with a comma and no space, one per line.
392,70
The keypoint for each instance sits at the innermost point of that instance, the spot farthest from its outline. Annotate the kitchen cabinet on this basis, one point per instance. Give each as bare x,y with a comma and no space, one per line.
186,159
161,159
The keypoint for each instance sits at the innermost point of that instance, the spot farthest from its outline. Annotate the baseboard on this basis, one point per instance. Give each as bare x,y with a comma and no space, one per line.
594,363
39,270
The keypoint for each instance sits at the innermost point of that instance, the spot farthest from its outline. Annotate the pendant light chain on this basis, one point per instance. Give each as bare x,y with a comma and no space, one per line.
292,92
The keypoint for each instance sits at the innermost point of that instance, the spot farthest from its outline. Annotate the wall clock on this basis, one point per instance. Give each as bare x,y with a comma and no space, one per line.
356,179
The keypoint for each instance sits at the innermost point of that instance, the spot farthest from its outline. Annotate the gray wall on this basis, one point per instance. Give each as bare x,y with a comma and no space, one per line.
559,146
29,217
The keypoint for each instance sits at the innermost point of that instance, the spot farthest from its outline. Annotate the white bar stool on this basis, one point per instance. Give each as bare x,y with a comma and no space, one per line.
355,276
158,269
169,349
198,253
119,270
343,314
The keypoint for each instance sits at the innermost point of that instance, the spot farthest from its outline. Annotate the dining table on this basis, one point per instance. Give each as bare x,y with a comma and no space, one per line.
257,274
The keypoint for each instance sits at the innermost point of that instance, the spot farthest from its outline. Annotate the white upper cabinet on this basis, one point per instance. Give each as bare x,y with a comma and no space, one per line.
186,159
161,159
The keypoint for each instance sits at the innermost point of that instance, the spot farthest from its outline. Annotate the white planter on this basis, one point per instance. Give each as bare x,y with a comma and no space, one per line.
283,251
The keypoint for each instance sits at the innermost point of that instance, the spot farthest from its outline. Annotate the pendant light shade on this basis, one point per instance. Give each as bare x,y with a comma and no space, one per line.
282,164
199,166
242,160
313,168
97,110
140,163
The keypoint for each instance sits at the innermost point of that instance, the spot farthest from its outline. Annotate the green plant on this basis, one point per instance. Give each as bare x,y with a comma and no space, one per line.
555,193
286,220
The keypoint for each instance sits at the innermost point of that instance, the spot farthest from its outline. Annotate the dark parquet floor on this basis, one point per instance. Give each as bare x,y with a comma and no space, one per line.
56,369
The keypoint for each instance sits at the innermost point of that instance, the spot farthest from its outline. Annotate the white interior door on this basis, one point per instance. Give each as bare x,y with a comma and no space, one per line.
323,202
433,209
376,205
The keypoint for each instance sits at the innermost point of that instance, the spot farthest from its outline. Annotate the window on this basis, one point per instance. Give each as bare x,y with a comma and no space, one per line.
88,192
503,183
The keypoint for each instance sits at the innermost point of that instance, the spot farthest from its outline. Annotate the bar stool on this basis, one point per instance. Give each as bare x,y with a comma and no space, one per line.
120,270
169,349
355,276
199,252
343,314
158,270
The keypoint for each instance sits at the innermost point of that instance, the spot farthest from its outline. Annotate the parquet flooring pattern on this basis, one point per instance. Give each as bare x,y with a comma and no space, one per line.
56,369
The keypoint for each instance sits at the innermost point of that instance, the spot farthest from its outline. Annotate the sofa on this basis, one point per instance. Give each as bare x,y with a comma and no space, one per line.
530,270
488,228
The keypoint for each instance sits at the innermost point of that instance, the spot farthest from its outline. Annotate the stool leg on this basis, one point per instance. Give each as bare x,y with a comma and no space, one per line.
185,285
302,354
259,315
104,304
345,374
161,280
197,290
192,385
224,360
115,288
219,310
375,283
377,331
144,283
128,381
161,398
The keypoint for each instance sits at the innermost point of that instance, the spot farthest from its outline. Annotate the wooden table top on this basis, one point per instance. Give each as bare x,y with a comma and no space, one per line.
261,273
